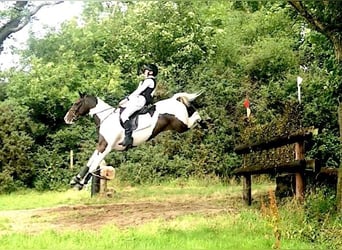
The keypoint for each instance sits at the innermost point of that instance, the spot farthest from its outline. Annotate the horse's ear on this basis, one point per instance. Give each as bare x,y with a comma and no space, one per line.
81,94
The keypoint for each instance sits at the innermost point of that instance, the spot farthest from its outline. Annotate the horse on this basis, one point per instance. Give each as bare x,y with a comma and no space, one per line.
176,113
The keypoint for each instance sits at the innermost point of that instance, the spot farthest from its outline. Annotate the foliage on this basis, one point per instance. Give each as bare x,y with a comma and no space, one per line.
317,221
17,144
229,50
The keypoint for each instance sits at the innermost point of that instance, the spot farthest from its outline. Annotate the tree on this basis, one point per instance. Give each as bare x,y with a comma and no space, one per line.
18,16
227,51
325,17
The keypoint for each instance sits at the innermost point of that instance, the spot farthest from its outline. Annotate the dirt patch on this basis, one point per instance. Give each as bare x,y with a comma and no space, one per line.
94,217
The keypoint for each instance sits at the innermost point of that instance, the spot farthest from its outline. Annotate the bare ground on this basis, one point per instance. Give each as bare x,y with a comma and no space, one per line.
121,215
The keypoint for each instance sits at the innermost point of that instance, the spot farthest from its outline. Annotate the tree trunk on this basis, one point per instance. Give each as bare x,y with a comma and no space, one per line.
337,42
339,177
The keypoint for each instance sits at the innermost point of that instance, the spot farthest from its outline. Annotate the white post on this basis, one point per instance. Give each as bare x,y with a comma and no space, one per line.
299,82
71,159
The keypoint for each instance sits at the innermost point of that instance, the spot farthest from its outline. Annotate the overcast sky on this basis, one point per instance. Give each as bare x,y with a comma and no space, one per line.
51,16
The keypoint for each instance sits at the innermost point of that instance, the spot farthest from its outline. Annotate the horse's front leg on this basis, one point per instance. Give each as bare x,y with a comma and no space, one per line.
94,165
78,180
86,173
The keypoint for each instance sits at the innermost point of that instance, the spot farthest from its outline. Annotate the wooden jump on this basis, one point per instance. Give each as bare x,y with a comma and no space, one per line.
297,166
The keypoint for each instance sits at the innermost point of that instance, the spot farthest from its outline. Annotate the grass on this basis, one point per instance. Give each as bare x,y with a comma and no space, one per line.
246,228
244,231
30,199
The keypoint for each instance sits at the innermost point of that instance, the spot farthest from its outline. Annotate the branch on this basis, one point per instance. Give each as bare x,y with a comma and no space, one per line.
20,21
300,8
32,13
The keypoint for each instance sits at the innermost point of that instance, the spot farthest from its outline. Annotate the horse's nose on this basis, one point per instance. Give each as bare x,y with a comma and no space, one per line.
67,119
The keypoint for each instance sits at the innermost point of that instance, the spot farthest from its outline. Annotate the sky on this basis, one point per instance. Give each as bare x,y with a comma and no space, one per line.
51,15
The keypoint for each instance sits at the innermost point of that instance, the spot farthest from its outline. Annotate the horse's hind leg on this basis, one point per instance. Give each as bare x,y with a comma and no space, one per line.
195,117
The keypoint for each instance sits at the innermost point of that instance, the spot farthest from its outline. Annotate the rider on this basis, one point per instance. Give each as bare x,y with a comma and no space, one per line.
142,96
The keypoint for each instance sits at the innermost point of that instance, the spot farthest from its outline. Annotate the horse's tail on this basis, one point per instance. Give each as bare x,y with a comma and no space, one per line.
186,98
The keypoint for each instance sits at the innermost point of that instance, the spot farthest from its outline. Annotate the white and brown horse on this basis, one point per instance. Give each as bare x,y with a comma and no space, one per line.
175,113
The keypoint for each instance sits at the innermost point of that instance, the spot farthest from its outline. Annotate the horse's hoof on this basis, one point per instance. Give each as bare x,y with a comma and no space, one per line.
78,186
203,124
74,181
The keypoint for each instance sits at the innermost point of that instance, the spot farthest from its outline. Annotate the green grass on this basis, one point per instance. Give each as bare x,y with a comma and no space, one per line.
30,199
245,228
244,231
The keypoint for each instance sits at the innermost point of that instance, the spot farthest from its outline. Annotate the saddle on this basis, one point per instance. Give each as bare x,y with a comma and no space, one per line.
134,118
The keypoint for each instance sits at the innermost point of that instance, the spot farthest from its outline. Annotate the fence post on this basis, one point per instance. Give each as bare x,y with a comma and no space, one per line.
299,151
247,189
95,184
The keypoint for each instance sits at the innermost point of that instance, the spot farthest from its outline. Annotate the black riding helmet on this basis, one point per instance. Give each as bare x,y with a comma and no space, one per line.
150,67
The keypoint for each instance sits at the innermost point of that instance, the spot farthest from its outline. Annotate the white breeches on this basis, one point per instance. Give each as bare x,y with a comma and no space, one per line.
132,105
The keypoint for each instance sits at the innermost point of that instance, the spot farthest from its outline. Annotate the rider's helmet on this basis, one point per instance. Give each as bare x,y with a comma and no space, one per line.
151,67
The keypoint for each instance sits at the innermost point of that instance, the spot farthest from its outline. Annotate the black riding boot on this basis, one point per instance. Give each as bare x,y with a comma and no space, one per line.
128,141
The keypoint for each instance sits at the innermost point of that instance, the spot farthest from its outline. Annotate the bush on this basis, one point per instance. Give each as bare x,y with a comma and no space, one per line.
7,184
52,178
317,221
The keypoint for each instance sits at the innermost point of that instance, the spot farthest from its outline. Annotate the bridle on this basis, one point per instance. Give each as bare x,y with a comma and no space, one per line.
74,111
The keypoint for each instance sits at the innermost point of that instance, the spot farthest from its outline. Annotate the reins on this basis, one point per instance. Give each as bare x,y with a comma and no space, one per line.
101,121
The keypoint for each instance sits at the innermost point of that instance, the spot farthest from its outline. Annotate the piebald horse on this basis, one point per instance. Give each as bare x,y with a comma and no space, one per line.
175,113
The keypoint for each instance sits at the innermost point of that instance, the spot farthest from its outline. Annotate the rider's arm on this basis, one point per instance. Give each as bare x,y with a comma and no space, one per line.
147,83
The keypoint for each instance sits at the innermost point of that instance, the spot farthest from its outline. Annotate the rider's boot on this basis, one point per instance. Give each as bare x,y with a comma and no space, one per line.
128,141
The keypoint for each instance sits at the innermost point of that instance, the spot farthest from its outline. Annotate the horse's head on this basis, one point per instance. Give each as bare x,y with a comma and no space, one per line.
80,108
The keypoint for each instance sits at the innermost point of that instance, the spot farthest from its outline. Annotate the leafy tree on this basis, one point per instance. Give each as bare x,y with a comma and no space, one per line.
325,17
228,49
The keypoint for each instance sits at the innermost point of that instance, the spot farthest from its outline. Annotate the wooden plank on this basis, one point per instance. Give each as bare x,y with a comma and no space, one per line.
291,167
329,171
273,143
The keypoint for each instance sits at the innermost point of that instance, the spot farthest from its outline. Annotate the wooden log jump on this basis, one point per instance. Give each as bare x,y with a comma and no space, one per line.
99,180
298,166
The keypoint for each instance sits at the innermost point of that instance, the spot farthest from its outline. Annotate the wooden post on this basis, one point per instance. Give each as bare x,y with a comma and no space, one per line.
103,186
247,189
95,183
339,174
299,150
